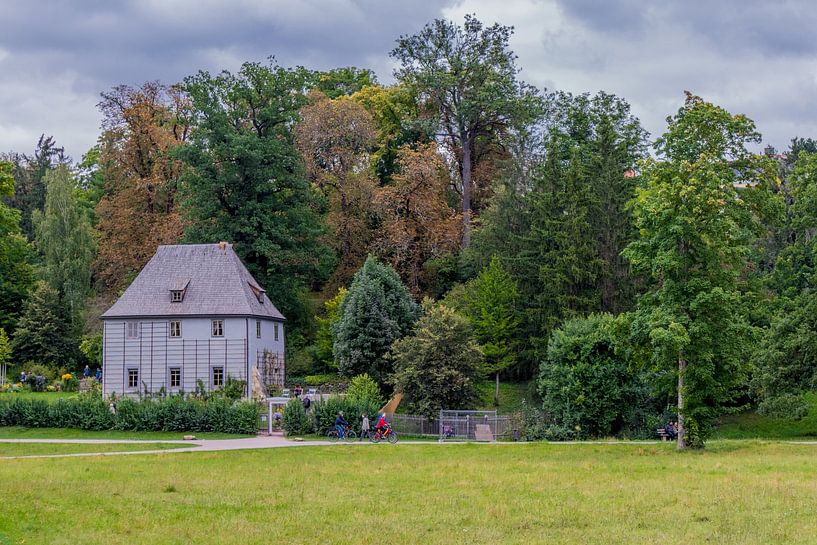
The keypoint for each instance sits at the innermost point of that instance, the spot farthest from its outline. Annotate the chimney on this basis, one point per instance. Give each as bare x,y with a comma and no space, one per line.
222,245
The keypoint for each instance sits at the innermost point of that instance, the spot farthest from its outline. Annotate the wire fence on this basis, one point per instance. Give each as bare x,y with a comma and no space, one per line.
457,425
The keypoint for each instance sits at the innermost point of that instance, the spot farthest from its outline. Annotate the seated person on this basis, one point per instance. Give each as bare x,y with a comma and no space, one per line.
670,430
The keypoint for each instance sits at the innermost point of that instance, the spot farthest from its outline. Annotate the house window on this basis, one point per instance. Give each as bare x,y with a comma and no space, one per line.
175,377
133,330
218,328
276,331
175,328
218,377
133,378
258,328
176,296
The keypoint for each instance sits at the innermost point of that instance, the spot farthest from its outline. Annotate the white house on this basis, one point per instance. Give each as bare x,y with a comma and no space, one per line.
193,314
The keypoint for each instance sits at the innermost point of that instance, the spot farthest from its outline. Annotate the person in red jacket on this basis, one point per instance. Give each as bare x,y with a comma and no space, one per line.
382,424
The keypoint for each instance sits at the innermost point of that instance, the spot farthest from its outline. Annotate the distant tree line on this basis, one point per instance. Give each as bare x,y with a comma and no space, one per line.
459,225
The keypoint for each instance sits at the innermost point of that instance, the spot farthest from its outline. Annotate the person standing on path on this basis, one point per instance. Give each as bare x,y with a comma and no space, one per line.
364,426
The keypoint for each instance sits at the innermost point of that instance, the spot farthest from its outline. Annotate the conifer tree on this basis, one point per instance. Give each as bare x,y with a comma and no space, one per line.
43,333
376,311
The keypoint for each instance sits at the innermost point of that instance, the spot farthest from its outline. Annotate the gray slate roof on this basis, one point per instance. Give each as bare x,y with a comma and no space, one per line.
217,284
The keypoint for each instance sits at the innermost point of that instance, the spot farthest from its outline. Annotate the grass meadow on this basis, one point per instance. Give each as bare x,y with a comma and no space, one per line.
741,492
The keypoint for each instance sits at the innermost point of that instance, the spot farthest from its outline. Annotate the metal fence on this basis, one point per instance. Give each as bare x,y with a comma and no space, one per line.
454,425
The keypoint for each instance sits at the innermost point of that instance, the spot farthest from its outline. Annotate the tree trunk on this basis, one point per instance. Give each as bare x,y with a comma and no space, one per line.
496,392
682,365
466,192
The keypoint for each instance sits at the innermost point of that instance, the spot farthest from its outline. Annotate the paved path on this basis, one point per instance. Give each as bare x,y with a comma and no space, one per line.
260,442
196,445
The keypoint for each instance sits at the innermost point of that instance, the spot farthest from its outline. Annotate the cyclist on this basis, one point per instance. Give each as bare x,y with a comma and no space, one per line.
382,424
341,424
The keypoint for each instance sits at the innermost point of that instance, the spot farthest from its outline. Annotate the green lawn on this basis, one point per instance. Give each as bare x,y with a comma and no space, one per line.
14,432
735,493
28,449
51,397
751,425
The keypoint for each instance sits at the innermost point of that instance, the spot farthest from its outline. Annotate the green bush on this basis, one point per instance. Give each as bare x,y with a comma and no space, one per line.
296,421
363,390
233,389
788,406
173,413
324,412
320,380
589,384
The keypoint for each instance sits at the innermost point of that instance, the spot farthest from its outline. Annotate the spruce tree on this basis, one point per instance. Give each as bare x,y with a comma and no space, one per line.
376,311
43,333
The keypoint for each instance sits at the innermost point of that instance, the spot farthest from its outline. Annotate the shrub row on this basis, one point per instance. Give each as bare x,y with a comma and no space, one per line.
91,412
321,416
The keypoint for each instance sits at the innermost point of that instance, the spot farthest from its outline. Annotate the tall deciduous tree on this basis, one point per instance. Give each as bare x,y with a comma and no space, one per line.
398,121
695,226
16,273
418,223
344,81
65,240
335,138
376,311
468,75
437,366
245,182
138,210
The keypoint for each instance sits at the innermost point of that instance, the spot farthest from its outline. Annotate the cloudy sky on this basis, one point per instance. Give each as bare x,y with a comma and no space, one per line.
754,57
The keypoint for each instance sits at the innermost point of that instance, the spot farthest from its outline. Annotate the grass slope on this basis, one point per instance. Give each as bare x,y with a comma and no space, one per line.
512,396
736,493
29,449
751,425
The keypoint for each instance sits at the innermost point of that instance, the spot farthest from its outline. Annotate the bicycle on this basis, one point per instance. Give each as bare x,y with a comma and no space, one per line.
348,434
389,435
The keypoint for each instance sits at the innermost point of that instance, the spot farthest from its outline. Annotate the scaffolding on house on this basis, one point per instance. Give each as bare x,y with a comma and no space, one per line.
272,369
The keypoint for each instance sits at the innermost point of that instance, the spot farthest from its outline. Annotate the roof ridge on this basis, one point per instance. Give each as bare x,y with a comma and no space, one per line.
240,270
215,274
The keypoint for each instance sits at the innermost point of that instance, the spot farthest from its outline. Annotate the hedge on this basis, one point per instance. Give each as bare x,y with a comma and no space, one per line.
173,413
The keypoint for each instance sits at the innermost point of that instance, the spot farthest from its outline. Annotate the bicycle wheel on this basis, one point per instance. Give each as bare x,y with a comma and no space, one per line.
332,435
350,435
374,437
392,438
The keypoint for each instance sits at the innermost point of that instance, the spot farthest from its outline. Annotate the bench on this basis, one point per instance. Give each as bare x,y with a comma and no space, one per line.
662,433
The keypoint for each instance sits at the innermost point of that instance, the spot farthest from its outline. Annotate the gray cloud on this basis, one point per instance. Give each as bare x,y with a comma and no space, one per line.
755,57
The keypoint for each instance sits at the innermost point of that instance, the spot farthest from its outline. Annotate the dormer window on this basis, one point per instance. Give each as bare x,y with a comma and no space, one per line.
258,292
178,287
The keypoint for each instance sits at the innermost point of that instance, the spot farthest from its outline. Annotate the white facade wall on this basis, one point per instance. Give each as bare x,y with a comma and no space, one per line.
196,353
